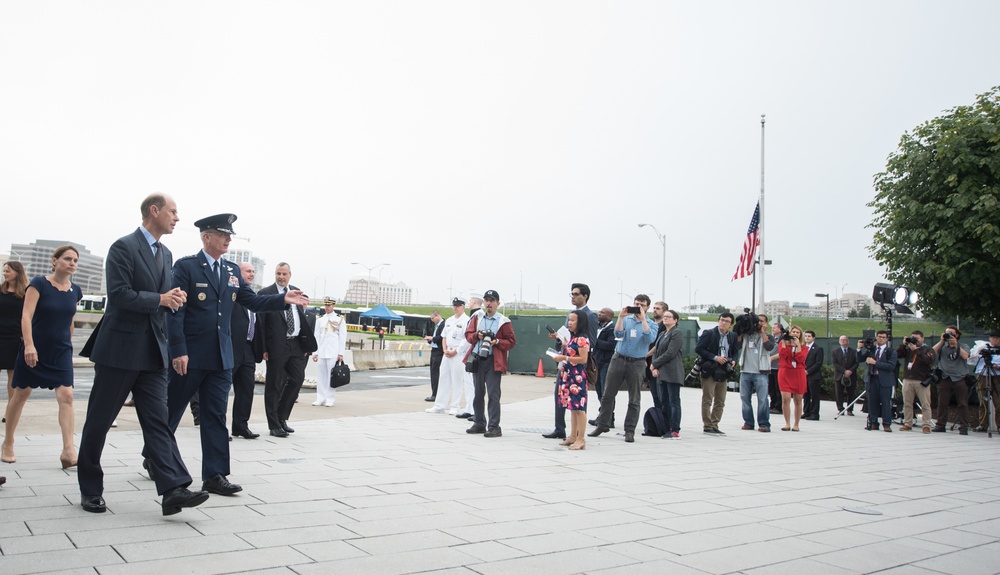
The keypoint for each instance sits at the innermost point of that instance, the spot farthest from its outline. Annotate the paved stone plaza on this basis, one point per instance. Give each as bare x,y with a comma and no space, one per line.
375,485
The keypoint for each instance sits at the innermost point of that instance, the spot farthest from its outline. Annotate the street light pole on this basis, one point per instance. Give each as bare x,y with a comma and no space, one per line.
368,286
827,296
663,278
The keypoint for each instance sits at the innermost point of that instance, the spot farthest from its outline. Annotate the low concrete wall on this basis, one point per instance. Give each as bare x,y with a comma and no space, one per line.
380,359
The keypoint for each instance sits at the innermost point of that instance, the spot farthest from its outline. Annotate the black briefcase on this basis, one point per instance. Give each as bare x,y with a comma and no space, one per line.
340,375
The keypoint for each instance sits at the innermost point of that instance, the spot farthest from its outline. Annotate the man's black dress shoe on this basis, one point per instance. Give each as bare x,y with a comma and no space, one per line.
629,437
93,503
476,429
149,469
430,398
179,498
599,430
555,435
464,415
595,423
811,418
219,485
247,434
284,425
493,433
279,433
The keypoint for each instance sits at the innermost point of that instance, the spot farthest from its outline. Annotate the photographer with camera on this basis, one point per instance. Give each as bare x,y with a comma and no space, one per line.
880,379
918,375
492,337
635,333
988,384
718,350
755,366
952,360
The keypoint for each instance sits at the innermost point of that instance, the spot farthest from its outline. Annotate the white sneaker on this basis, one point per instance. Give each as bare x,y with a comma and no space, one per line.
317,403
434,410
452,412
328,404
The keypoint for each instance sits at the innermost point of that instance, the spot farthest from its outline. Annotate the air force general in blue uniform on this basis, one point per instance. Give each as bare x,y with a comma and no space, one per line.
200,342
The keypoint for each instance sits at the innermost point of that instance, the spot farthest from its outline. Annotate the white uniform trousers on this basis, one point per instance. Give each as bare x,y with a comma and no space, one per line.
450,385
470,391
324,393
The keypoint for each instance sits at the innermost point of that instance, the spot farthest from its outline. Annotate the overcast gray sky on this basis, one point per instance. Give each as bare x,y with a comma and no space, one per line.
479,145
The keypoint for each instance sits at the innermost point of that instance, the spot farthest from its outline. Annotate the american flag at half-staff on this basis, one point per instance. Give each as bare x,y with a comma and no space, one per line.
749,247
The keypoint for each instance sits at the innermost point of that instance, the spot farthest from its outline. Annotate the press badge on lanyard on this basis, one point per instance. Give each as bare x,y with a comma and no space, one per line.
632,333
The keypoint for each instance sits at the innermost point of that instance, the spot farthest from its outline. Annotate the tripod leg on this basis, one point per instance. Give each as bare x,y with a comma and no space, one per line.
849,406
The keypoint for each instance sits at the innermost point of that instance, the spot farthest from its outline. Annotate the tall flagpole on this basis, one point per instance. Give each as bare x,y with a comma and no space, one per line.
760,306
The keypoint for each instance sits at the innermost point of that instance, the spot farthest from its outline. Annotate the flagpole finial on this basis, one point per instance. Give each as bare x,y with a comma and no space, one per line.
762,118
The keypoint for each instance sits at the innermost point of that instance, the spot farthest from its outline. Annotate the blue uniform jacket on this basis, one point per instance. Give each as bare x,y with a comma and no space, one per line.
201,329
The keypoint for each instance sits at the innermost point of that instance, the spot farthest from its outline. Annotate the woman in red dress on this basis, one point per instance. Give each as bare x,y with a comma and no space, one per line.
792,375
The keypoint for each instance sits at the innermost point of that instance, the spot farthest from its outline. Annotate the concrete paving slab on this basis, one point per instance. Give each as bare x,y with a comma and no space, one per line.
376,485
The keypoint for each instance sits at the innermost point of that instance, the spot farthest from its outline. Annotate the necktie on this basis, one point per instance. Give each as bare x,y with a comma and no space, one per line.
250,332
290,322
843,350
218,282
158,257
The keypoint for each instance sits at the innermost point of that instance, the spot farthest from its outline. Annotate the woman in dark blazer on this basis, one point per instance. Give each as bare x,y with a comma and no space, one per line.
668,369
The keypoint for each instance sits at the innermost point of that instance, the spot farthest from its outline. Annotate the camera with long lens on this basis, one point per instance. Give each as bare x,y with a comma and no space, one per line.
693,375
746,323
912,340
785,334
946,336
486,344
988,352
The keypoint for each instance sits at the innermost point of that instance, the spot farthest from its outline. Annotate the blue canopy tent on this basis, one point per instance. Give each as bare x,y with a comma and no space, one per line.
382,312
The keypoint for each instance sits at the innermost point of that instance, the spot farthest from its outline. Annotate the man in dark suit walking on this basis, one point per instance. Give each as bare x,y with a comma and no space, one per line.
288,341
880,380
814,377
845,377
201,346
248,351
129,351
437,354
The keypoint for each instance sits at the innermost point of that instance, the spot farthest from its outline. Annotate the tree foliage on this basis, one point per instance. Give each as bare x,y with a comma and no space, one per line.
937,212
717,309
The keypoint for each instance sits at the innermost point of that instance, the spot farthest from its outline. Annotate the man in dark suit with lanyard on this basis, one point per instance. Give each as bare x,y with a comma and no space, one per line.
437,354
248,351
201,346
880,379
129,351
288,341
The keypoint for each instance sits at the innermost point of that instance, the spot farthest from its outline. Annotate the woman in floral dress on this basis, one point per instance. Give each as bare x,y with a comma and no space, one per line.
573,379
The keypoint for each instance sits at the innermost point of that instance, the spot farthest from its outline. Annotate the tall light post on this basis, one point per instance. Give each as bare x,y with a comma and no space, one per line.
663,278
827,296
368,286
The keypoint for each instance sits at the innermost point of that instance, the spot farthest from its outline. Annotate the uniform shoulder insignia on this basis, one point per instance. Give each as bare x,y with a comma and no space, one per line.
185,258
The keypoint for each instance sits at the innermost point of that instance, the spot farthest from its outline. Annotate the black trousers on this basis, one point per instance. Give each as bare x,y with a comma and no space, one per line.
436,356
149,391
845,393
811,408
486,381
243,385
773,391
285,373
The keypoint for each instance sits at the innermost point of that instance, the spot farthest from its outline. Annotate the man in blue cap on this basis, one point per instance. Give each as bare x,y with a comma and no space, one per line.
201,347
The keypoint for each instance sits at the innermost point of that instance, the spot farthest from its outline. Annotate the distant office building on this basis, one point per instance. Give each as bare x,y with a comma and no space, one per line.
777,308
361,291
240,255
37,260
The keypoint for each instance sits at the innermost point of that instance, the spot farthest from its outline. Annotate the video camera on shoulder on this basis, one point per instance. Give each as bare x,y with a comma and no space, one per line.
868,340
746,323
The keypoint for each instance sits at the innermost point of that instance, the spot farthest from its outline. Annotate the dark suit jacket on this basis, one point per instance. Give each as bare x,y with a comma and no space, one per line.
437,339
132,335
708,347
240,324
604,347
202,328
275,330
886,367
842,363
667,357
814,363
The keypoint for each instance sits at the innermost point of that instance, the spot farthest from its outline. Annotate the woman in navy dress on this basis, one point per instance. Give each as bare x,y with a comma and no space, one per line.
11,305
573,379
46,357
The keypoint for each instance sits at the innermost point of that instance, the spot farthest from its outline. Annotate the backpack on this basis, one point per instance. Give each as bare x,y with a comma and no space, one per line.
653,423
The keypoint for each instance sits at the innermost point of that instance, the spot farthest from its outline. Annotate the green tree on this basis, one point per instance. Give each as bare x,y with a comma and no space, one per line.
717,309
937,212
